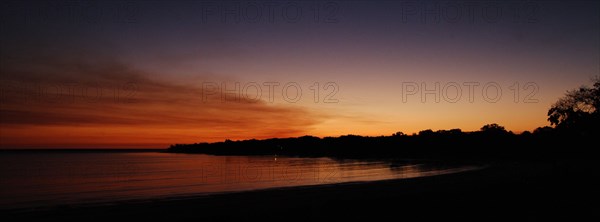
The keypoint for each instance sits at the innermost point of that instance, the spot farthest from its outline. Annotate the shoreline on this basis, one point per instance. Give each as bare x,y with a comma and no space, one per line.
512,190
184,197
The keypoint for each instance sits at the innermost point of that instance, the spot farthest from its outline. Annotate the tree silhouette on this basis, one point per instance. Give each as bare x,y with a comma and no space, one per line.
493,128
543,130
577,112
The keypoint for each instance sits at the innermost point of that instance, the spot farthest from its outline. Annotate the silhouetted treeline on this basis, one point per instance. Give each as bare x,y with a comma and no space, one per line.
492,143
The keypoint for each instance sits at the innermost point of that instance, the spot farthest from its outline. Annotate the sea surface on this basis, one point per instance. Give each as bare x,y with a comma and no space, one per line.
38,179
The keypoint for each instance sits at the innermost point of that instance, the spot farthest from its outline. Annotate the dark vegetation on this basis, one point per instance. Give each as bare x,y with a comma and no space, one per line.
574,121
493,143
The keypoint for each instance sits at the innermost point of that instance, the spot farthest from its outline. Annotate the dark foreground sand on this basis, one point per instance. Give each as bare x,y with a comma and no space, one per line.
505,191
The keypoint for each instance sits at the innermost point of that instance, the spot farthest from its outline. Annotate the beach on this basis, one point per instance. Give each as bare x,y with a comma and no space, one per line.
507,190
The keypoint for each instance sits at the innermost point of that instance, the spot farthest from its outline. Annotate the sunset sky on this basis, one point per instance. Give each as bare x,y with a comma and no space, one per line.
147,74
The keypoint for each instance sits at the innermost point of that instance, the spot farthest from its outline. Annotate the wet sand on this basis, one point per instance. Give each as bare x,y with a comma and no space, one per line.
513,191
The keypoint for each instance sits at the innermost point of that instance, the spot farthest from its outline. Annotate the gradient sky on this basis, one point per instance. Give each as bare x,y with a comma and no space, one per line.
144,74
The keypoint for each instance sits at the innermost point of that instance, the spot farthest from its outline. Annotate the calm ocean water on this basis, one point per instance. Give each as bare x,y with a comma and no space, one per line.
43,179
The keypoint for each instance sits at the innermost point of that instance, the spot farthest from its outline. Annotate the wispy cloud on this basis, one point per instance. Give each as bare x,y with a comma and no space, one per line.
73,93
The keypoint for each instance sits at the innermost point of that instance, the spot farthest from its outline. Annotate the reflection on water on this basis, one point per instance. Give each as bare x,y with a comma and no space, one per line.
44,179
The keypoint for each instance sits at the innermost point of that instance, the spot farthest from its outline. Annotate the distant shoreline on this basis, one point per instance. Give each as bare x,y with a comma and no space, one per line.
82,150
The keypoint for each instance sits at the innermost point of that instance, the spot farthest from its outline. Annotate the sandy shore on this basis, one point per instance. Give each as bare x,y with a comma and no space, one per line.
521,191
